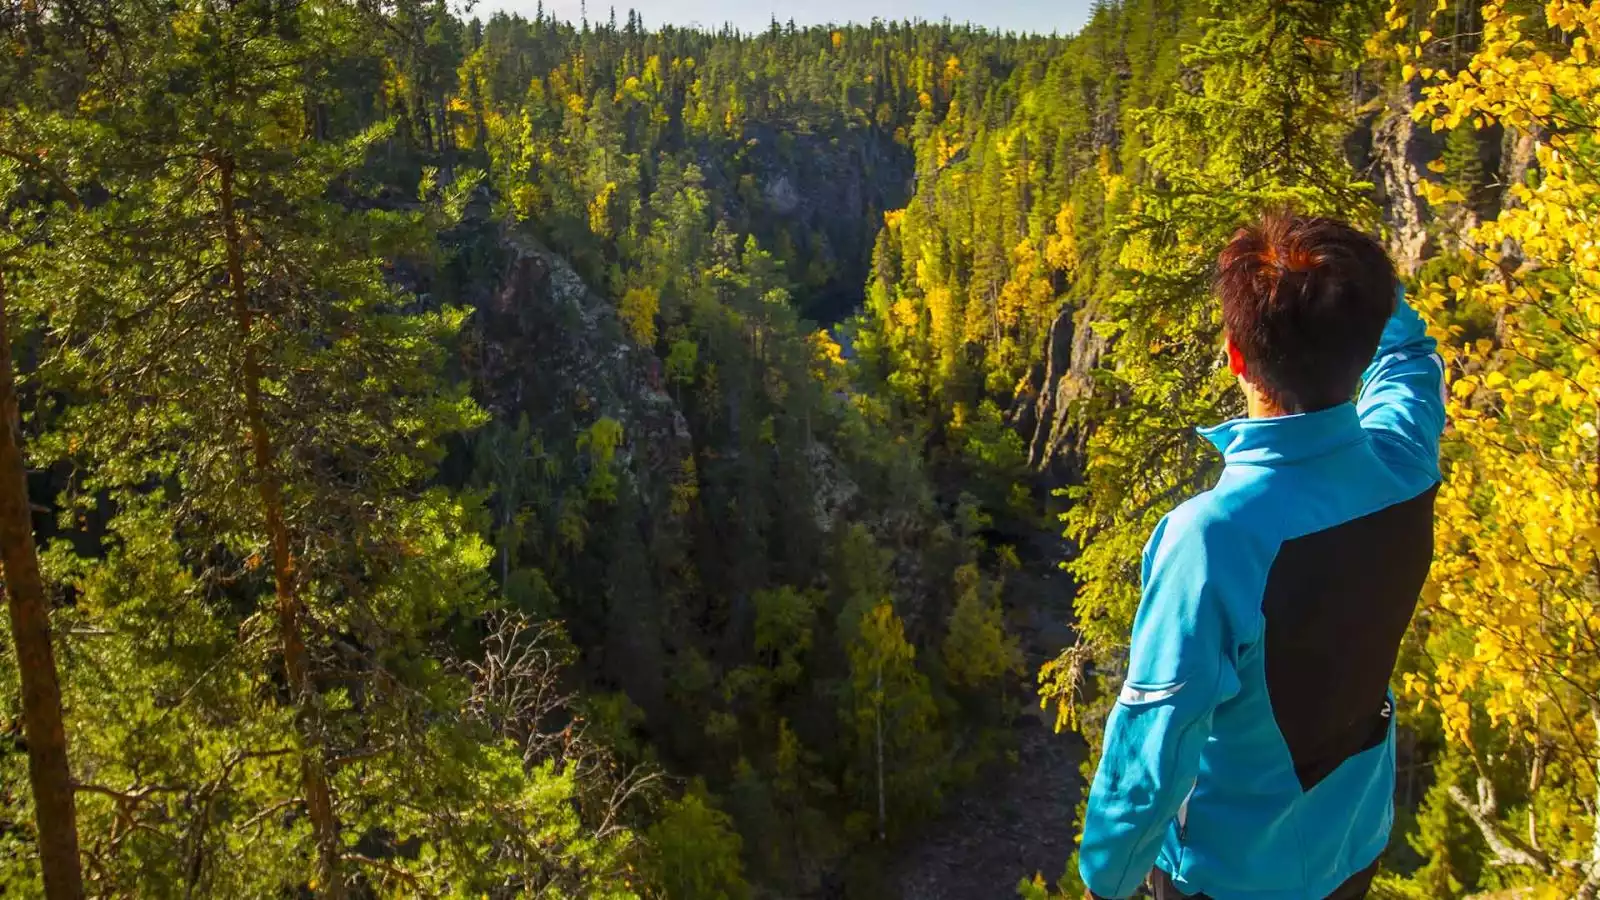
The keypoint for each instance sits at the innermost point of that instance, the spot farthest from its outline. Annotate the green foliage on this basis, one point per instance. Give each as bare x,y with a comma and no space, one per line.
717,553
784,622
892,717
695,850
744,521
1035,888
977,651
215,318
1463,161
600,441
681,361
1445,837
250,416
1263,128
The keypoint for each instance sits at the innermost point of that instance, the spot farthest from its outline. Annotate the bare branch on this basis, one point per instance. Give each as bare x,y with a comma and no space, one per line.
389,869
1507,850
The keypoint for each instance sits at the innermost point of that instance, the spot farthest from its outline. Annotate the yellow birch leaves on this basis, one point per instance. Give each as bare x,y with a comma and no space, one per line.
1512,617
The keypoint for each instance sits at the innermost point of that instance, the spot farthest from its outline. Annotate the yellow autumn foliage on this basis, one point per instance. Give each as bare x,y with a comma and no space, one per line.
638,311
1511,622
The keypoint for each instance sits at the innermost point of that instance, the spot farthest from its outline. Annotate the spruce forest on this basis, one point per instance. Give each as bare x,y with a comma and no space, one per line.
453,454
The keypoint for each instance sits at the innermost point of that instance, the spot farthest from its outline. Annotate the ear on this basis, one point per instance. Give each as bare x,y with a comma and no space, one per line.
1235,358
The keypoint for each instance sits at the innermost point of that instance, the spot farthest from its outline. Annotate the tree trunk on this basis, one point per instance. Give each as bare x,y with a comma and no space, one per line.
1591,881
48,772
447,141
313,773
424,121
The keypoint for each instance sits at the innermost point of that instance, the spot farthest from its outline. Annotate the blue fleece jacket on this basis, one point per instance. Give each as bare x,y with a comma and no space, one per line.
1197,776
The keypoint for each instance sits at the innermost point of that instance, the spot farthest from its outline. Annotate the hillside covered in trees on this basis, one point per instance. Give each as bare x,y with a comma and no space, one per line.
508,457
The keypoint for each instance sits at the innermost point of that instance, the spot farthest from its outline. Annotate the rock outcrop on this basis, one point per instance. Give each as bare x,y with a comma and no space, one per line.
546,349
1398,170
1397,153
821,190
554,350
1045,405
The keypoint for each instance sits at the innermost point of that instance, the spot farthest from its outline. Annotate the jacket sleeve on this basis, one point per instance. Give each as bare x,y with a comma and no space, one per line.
1181,664
1402,392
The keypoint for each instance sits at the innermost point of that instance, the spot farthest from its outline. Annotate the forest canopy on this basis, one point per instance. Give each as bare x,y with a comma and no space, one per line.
464,456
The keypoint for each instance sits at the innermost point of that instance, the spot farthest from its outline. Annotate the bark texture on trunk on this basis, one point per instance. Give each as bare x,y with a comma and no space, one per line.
48,770
296,668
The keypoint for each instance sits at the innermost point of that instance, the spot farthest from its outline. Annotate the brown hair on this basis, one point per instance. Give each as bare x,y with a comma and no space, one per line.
1305,300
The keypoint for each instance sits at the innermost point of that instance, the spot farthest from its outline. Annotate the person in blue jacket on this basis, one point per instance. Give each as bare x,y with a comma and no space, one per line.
1250,753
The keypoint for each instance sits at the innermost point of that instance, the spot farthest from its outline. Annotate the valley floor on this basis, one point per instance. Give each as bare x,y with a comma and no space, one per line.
1007,827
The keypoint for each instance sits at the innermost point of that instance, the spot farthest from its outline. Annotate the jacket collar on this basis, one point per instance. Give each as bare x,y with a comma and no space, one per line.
1286,439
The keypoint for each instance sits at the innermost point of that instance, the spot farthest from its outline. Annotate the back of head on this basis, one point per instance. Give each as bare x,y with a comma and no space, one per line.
1304,301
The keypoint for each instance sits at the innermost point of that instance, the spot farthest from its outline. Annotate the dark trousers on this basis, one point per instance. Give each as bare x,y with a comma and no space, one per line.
1355,888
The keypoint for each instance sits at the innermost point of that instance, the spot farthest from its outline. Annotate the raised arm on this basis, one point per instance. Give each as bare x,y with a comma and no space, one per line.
1402,393
1179,669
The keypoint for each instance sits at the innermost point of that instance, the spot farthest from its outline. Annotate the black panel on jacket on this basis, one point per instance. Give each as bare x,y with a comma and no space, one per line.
1337,605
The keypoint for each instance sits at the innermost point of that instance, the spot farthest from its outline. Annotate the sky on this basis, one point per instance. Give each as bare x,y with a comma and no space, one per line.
1044,16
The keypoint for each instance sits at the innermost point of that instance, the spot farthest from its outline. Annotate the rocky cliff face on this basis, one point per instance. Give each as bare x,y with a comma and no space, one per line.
555,351
1399,154
547,350
822,191
1043,409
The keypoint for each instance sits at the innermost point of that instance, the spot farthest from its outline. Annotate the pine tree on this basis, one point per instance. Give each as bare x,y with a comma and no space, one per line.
1463,166
261,407
49,770
36,191
977,651
697,851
